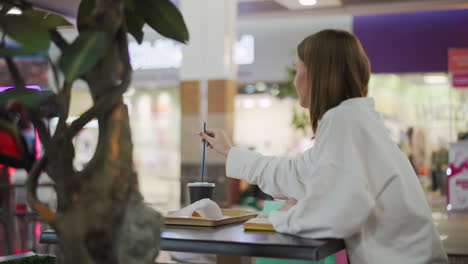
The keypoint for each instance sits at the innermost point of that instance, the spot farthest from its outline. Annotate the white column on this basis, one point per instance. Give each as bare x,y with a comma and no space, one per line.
208,85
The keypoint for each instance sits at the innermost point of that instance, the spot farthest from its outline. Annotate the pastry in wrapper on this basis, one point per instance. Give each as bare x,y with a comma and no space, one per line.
196,214
205,208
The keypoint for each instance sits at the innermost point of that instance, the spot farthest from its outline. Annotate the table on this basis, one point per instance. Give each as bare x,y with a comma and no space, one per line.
232,240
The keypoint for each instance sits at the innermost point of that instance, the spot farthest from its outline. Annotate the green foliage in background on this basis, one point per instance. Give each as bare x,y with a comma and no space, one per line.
300,120
286,88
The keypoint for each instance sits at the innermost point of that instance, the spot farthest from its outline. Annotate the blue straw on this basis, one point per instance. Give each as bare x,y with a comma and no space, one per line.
203,159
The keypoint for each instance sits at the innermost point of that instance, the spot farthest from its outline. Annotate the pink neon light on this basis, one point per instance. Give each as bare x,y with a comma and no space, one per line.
37,229
37,145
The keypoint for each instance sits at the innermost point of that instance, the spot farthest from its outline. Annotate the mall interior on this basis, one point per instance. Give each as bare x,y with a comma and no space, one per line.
237,72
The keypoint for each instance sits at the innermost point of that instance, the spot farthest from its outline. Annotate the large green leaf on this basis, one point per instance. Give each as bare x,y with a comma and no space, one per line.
34,14
53,21
163,17
27,97
83,54
134,25
45,19
84,10
25,31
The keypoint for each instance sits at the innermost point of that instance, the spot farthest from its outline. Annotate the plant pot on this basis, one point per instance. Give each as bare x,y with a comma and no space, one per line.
28,258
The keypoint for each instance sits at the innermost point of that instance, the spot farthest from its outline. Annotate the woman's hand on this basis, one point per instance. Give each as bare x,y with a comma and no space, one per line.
288,205
216,139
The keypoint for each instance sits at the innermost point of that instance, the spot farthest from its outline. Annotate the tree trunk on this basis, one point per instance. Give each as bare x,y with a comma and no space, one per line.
105,220
101,217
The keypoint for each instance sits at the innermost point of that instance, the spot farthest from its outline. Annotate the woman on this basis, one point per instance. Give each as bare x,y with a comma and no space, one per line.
354,183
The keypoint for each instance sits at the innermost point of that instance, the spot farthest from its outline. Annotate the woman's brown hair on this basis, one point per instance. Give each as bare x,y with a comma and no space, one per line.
337,69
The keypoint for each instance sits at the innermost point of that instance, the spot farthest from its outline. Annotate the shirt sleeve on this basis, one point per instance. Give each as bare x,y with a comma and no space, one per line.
277,176
337,205
280,177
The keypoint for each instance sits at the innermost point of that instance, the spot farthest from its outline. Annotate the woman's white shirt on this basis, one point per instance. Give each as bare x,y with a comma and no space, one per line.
353,184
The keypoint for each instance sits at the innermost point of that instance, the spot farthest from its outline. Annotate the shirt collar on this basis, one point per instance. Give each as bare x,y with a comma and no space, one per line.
368,101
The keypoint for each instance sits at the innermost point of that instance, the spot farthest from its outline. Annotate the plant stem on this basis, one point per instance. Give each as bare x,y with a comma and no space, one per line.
15,74
42,130
103,105
64,101
45,212
58,39
55,73
2,43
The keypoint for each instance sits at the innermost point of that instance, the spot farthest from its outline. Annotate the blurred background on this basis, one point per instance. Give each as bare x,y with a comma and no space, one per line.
237,75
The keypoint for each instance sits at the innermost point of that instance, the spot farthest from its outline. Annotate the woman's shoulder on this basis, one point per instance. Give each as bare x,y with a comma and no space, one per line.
356,110
338,115
351,113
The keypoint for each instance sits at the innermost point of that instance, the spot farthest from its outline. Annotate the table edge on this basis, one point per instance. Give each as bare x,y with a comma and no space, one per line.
235,248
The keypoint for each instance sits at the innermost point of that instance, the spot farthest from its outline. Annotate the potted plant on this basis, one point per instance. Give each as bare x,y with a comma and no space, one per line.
100,216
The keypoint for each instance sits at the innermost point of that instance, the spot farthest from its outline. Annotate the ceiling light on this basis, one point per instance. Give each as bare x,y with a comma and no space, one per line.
15,11
308,2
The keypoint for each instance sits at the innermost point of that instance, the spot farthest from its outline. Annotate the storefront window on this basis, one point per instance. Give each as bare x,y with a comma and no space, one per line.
423,101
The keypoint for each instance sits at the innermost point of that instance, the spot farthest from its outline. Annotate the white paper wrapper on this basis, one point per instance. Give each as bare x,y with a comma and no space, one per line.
207,208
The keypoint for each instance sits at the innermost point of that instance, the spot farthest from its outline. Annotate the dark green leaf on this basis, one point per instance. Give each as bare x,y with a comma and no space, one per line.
25,31
85,9
129,5
134,25
5,8
34,14
53,21
87,49
27,97
45,19
163,17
